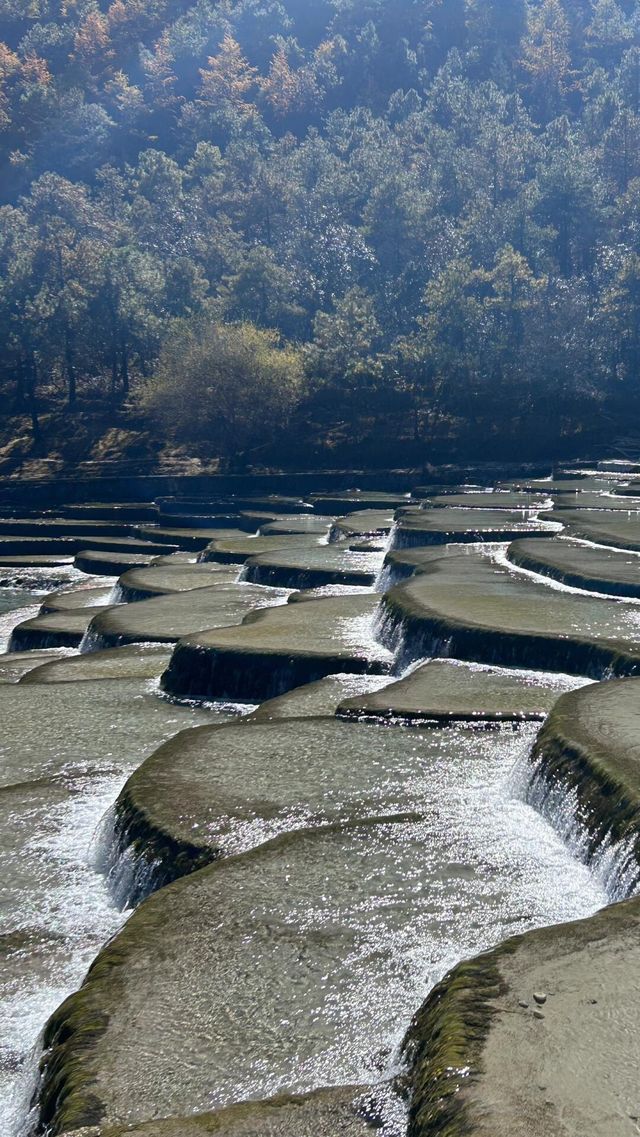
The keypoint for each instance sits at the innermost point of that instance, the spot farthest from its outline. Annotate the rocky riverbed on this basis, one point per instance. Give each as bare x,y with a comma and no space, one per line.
290,785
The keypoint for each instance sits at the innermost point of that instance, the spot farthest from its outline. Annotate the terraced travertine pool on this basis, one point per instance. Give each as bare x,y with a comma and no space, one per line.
260,818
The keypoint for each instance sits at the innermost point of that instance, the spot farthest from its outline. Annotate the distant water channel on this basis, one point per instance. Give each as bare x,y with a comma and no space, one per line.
484,866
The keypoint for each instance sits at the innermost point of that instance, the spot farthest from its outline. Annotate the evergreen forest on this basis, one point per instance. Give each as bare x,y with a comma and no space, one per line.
283,232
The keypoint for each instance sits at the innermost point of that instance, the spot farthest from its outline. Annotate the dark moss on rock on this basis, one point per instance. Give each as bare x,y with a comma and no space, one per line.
342,1111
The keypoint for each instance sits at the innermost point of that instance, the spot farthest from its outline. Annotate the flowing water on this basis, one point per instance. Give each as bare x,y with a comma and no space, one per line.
65,751
383,912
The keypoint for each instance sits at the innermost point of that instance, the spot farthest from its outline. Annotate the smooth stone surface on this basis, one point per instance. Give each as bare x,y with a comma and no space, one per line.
483,1064
297,965
342,1112
452,691
297,523
318,699
14,665
190,520
194,539
71,546
34,562
135,661
162,580
240,549
278,649
167,619
225,790
210,506
445,526
56,629
352,500
365,523
580,566
62,527
313,568
586,483
111,564
131,511
71,599
464,605
595,501
499,499
593,525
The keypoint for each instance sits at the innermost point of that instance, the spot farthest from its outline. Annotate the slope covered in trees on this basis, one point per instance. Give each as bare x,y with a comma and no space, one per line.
431,207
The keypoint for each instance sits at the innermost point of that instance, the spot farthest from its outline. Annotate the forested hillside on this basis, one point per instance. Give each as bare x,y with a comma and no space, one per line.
399,226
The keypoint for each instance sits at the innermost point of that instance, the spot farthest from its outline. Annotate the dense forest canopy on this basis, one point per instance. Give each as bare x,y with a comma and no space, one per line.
430,207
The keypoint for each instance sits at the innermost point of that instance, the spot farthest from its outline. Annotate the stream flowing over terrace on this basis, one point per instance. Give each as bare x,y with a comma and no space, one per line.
362,806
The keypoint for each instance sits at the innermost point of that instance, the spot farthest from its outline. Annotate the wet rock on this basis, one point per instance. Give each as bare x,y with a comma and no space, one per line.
317,699
364,523
293,964
498,499
183,538
464,605
171,577
313,568
589,745
618,529
14,665
167,619
595,501
297,523
579,565
135,513
56,629
451,691
340,1111
278,649
446,526
471,1062
356,500
72,599
136,661
240,549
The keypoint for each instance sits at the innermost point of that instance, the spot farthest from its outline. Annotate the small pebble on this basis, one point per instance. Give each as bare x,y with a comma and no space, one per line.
523,1003
538,1015
593,1002
539,997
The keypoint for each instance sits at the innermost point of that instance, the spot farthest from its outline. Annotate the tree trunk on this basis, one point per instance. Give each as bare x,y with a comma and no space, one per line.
32,384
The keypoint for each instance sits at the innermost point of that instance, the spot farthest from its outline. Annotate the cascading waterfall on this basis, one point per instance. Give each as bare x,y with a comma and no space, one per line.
613,863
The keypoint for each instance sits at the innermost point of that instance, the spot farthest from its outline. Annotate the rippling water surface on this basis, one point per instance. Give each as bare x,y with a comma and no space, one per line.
377,916
65,751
